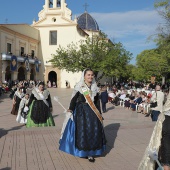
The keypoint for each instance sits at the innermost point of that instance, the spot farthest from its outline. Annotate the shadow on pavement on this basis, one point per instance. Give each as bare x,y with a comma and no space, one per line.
110,108
111,134
55,116
7,168
4,132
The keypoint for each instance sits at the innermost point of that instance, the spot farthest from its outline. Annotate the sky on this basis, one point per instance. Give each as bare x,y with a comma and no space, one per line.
131,22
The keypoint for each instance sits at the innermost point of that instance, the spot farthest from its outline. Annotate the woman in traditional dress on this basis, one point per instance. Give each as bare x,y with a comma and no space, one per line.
22,112
160,141
40,108
83,134
18,95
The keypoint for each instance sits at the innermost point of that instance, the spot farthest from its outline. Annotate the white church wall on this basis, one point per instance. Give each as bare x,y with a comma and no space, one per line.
65,36
71,78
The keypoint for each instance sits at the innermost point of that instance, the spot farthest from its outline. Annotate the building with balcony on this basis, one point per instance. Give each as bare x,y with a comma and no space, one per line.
21,41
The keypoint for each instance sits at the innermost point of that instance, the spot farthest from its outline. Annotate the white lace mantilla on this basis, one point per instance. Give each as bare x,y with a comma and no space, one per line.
20,95
92,91
40,96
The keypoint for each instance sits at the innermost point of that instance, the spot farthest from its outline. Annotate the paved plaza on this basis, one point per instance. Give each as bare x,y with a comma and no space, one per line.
22,148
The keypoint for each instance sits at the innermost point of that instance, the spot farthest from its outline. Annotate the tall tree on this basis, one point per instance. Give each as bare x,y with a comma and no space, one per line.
151,62
96,52
163,37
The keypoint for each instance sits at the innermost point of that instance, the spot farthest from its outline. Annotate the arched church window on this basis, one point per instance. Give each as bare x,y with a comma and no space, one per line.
58,3
50,3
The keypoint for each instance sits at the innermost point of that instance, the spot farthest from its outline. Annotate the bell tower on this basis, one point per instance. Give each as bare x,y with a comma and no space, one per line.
55,8
54,4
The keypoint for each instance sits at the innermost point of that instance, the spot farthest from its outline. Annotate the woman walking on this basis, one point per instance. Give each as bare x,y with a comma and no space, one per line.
83,135
40,108
18,95
22,112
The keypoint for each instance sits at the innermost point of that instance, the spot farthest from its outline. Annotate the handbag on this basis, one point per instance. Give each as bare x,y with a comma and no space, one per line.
154,104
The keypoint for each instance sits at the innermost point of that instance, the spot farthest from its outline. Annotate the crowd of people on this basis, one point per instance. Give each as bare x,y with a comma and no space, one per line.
32,106
83,132
137,97
31,103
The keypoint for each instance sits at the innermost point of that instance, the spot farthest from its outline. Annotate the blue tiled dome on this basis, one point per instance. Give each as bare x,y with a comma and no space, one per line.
87,22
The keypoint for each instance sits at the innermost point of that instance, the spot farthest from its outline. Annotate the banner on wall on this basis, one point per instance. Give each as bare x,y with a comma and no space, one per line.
27,64
13,63
37,65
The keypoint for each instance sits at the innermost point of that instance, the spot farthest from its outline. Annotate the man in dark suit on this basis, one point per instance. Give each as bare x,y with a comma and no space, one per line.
104,98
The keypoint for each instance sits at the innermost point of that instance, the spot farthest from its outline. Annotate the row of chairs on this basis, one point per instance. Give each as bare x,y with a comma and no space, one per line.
146,106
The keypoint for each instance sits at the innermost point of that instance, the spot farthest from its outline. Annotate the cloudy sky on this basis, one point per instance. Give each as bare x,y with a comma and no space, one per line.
130,22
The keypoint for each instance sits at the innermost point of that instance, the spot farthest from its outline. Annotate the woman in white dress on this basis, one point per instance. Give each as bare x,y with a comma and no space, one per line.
23,109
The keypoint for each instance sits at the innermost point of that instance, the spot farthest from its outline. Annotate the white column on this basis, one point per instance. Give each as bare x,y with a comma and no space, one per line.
54,3
47,4
62,4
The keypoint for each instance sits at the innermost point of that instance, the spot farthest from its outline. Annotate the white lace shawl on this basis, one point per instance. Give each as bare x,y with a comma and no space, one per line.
20,95
94,89
40,96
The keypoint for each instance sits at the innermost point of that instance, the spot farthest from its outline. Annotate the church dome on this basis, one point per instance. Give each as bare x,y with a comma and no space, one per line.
87,22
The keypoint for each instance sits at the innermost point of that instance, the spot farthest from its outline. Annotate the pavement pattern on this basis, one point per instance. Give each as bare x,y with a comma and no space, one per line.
127,133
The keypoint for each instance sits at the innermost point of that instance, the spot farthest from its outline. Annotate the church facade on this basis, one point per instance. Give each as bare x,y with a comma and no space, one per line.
26,50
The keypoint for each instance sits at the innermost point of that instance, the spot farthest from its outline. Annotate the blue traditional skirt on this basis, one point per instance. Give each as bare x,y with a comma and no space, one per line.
85,135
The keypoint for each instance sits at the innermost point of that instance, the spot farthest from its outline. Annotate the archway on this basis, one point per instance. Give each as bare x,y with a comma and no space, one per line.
52,76
21,74
32,75
8,74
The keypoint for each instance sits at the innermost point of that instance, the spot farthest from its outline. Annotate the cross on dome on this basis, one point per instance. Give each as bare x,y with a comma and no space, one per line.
85,6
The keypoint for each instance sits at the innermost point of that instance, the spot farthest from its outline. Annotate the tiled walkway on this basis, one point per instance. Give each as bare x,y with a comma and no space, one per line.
22,148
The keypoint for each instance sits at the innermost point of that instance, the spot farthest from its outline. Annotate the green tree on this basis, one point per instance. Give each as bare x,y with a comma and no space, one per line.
156,61
150,62
98,53
163,36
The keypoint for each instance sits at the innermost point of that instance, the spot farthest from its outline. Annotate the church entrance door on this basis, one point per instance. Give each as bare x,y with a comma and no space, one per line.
52,77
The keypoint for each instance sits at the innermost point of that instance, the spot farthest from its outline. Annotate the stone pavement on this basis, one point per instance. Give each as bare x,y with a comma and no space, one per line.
22,148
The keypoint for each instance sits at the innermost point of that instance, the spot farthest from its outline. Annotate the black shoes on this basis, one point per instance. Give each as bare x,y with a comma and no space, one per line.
91,159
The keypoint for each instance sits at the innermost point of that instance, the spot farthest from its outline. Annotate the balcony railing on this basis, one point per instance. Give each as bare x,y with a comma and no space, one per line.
20,59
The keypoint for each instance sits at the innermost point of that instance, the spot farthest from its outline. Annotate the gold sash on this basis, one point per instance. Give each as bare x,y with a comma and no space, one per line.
91,104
